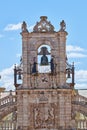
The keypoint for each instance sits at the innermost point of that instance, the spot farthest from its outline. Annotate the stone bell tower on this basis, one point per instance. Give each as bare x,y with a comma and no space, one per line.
44,98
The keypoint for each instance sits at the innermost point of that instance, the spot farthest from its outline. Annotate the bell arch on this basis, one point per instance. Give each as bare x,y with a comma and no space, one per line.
43,58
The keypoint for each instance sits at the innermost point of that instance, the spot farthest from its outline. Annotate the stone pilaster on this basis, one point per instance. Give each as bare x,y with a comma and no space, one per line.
64,108
25,58
19,109
62,54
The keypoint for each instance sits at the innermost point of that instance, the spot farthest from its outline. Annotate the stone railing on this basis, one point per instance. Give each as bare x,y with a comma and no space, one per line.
79,98
79,103
80,108
7,105
8,125
81,124
7,101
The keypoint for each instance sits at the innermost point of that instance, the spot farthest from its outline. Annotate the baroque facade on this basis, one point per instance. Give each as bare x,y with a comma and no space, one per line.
44,98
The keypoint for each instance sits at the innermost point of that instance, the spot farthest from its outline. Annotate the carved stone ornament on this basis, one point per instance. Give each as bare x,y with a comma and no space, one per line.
43,25
62,25
44,116
24,27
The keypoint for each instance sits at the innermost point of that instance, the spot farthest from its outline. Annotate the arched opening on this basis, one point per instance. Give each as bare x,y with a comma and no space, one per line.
43,58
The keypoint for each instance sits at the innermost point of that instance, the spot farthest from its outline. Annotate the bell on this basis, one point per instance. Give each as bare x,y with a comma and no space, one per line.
19,76
68,76
44,60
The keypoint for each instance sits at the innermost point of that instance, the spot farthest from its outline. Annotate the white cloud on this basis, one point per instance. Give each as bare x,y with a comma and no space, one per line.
81,76
76,55
81,79
11,27
7,79
31,28
75,52
81,86
71,48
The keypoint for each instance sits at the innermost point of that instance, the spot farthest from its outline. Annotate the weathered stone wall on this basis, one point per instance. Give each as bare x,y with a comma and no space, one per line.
57,43
44,109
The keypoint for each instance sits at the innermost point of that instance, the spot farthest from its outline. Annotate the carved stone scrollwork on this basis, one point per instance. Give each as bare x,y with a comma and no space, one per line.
44,118
43,25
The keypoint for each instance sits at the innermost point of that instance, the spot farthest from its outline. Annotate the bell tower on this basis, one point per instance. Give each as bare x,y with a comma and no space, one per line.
44,97
35,49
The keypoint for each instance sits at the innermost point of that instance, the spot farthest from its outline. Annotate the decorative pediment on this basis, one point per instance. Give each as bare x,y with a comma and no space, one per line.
43,25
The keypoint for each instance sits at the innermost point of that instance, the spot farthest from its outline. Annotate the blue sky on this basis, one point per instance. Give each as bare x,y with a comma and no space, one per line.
13,13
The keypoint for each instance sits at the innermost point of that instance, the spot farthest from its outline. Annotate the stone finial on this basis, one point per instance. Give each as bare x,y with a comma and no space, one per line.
62,25
24,27
43,17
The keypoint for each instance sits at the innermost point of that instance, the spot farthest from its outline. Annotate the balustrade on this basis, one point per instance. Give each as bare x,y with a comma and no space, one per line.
79,103
81,124
79,98
8,125
8,100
